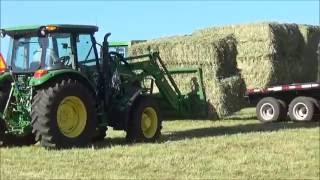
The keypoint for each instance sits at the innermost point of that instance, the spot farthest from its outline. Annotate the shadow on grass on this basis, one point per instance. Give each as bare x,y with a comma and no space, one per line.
233,117
209,132
109,142
215,131
238,129
249,117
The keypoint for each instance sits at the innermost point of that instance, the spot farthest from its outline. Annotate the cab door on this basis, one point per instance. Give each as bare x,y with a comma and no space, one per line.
87,56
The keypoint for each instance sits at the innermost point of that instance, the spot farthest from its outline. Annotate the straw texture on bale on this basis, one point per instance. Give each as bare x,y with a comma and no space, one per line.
311,36
216,55
272,53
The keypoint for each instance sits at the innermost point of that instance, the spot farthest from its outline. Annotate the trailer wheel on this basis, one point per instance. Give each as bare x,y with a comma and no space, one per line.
269,109
302,109
145,122
316,103
63,115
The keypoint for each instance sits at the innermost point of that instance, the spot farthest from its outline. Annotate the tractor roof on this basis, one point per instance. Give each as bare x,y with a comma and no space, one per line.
54,28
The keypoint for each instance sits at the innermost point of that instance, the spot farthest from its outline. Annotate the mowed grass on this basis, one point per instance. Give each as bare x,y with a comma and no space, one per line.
237,147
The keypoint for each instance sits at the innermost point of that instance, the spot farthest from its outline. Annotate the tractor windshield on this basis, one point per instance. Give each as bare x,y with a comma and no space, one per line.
31,53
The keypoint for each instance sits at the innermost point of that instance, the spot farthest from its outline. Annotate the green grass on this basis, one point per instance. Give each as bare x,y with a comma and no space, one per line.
238,147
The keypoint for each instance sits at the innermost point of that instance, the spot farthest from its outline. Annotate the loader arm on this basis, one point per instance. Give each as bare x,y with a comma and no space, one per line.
152,65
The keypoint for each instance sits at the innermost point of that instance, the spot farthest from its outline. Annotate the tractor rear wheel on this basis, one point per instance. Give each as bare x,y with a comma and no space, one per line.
145,121
63,115
11,139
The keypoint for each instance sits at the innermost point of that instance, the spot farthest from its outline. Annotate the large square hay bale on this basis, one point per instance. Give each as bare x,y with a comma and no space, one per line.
272,53
311,36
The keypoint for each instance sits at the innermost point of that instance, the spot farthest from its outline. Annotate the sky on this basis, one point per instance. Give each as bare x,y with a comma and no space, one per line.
134,20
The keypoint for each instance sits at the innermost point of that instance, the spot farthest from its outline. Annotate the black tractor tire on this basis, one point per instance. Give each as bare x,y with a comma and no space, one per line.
269,110
301,109
100,134
145,121
11,139
64,115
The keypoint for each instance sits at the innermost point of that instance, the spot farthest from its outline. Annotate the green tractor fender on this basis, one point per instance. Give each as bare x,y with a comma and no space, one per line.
63,73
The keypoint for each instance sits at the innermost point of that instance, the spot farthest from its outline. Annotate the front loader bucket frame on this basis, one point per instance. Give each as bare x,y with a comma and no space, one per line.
181,105
194,102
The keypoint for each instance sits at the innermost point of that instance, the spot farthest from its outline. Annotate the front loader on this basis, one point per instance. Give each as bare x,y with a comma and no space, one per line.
55,89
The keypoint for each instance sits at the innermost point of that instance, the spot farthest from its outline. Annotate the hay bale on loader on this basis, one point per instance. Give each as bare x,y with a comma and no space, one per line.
269,53
216,55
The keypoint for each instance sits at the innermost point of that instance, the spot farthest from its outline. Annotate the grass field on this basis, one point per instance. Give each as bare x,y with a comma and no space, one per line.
238,147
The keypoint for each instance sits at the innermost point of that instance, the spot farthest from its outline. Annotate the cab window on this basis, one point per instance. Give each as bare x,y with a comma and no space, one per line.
32,53
85,50
63,43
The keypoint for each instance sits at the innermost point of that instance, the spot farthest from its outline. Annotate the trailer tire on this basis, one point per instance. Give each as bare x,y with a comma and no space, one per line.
145,122
63,115
302,109
269,109
316,103
283,110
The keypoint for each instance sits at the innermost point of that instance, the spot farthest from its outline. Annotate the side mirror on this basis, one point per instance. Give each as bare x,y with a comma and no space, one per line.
3,33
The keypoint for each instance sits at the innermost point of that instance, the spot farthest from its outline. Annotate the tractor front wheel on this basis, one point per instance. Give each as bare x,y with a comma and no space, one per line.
63,115
145,121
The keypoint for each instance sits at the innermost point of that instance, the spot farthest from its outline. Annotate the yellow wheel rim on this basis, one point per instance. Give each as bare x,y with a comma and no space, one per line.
149,122
71,116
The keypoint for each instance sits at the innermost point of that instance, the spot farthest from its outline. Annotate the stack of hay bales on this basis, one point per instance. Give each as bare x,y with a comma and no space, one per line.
265,53
216,55
272,53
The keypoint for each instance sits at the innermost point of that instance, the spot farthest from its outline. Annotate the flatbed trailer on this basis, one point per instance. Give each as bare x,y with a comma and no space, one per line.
299,102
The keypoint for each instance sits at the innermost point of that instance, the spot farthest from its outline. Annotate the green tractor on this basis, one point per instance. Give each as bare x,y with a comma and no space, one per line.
56,90
122,47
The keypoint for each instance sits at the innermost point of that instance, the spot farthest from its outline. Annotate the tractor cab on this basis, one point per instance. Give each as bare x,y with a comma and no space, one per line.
51,47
